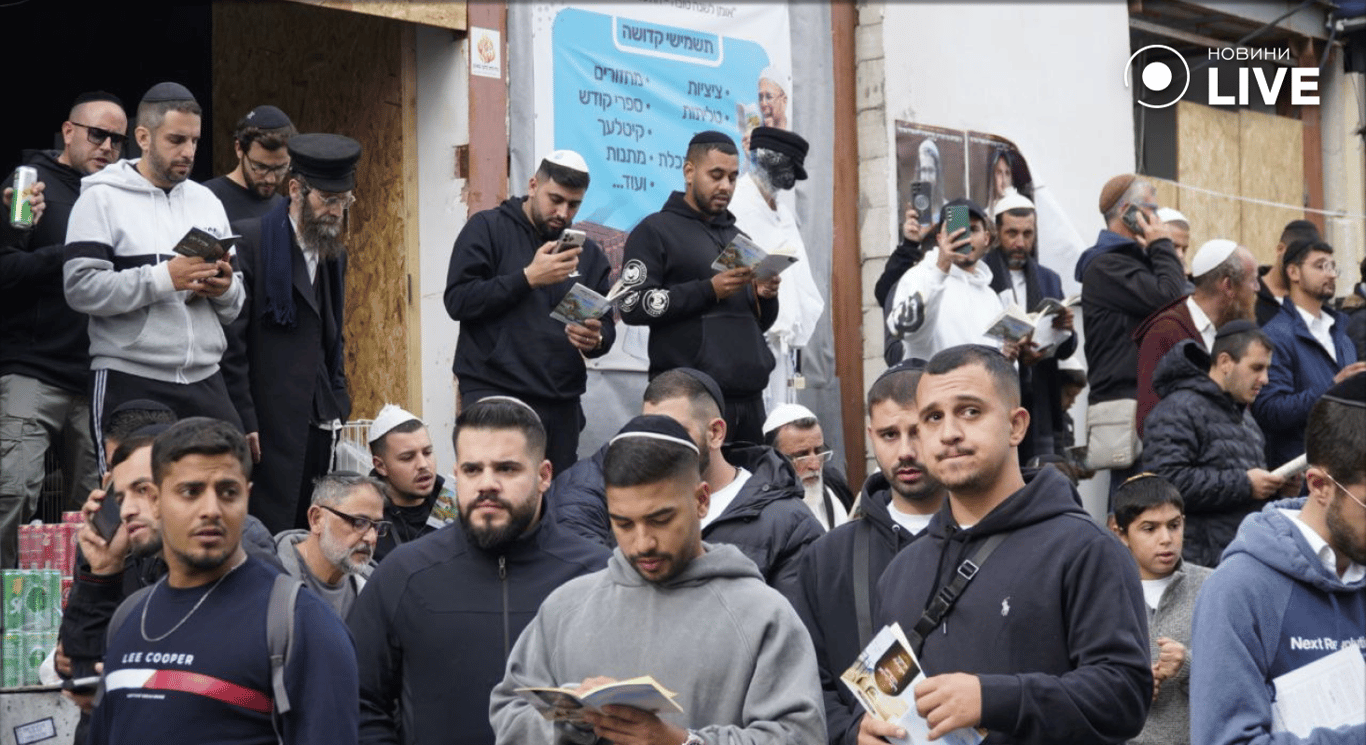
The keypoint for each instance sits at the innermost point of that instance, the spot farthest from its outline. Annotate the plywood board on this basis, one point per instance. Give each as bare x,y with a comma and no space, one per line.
342,73
1207,156
449,14
1272,169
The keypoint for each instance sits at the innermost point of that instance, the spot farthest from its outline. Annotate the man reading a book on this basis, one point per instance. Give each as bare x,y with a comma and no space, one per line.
696,617
508,270
1290,590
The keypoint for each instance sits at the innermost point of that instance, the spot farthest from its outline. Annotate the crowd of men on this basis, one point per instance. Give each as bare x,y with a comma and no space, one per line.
249,593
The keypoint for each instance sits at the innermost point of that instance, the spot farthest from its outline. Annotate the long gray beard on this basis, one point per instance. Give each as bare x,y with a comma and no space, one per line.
323,239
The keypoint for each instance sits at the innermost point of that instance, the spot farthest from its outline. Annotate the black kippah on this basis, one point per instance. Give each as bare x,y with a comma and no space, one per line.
709,383
1350,392
910,364
168,91
1235,327
657,427
711,137
89,96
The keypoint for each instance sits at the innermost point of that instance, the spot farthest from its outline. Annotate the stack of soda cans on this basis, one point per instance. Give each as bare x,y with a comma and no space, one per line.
34,596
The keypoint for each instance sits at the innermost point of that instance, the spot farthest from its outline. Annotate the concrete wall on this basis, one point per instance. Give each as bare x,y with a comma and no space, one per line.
442,124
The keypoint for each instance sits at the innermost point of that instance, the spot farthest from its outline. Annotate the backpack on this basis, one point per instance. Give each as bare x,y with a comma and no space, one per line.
279,633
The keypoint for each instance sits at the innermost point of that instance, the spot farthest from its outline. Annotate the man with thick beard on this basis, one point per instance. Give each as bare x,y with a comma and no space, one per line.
284,363
336,554
437,619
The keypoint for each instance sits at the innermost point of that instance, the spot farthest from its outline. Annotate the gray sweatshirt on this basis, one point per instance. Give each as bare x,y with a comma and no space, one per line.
1169,719
730,646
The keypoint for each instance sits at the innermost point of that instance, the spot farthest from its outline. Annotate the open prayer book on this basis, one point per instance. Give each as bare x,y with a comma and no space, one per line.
1328,692
564,705
1015,324
743,252
201,243
582,303
883,679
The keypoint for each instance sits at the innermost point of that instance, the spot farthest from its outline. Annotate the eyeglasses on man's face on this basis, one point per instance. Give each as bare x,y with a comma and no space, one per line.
362,524
97,136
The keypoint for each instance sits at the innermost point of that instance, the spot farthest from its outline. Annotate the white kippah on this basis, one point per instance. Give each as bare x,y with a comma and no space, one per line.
1212,254
568,159
510,400
389,417
1013,200
1167,214
779,76
786,414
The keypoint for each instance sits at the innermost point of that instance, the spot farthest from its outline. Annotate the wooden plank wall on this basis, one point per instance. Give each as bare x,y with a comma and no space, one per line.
334,71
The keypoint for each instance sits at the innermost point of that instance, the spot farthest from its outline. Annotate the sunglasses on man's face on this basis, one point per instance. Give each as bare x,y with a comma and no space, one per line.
97,136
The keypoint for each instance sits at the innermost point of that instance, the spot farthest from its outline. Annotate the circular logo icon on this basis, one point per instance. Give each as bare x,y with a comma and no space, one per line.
921,202
1163,74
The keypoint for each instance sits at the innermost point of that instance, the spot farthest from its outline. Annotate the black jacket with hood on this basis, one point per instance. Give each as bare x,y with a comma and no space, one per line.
435,623
1053,624
508,341
668,266
1122,284
40,335
824,598
1204,442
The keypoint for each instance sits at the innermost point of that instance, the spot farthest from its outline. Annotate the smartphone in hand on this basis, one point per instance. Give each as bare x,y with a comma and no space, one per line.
956,218
107,518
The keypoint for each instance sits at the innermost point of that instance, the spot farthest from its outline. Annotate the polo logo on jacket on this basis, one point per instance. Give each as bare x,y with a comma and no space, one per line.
1005,607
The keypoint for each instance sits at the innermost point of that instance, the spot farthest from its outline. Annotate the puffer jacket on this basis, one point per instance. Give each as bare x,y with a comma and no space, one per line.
1204,442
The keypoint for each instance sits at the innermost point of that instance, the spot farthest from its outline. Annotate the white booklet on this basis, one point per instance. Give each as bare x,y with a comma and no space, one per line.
582,303
883,679
743,252
1328,692
1015,324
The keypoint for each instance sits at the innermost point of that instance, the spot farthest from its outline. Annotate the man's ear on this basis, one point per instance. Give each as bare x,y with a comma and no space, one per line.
544,475
716,432
378,463
1019,425
703,496
237,148
143,136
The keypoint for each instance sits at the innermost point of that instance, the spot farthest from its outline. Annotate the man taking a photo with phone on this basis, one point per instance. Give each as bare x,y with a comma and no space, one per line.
510,267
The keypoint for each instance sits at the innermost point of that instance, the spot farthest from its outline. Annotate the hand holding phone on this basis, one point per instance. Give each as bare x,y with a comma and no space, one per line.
955,219
107,518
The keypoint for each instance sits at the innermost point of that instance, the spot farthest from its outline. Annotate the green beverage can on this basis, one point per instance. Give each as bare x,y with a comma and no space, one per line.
35,650
21,204
51,617
12,595
11,660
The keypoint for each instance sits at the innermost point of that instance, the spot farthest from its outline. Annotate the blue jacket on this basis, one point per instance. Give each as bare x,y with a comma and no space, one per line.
1301,371
1270,607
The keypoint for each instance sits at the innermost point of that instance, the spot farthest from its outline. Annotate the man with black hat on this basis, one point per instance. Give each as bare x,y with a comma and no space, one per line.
776,159
697,316
44,346
947,298
285,365
157,317
252,188
508,271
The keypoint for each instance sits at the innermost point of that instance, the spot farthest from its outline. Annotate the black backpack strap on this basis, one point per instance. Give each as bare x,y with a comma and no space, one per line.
279,633
944,600
116,622
863,607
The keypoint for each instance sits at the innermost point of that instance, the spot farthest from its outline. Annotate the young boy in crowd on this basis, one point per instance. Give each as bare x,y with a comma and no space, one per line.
1149,518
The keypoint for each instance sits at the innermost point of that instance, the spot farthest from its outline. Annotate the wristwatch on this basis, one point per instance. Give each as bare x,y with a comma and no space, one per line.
693,739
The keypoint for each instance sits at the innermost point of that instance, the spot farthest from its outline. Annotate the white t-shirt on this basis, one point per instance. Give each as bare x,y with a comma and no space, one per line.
1153,589
914,523
721,499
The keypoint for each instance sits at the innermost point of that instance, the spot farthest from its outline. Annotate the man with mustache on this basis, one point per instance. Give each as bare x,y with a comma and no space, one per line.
1202,438
252,189
191,653
698,317
1225,276
44,345
336,554
694,615
437,619
837,573
157,317
508,271
1044,639
284,366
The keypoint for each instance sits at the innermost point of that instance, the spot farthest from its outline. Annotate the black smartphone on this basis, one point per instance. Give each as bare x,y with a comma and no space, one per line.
920,200
83,686
1130,218
955,219
107,518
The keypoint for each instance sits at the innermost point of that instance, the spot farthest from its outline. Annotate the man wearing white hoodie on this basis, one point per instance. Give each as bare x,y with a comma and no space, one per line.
156,317
695,616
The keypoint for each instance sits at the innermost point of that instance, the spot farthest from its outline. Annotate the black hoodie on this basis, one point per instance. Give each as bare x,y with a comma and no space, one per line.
824,598
40,335
508,341
1053,624
668,260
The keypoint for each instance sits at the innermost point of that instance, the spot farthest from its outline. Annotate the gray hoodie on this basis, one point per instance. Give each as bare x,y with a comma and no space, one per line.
339,598
119,239
729,645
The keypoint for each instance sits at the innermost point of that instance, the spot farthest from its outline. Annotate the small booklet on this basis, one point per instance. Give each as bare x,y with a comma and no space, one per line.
201,243
582,303
743,252
1015,324
564,705
445,511
1328,692
883,679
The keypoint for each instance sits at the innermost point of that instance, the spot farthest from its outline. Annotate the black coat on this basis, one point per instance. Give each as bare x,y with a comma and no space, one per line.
283,380
1204,442
823,596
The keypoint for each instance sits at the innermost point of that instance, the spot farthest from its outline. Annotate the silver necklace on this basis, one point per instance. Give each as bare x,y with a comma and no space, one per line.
182,621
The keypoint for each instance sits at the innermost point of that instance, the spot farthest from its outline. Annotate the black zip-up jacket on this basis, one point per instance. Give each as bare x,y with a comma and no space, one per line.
1122,284
1053,624
668,260
824,598
409,523
435,623
508,341
40,335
